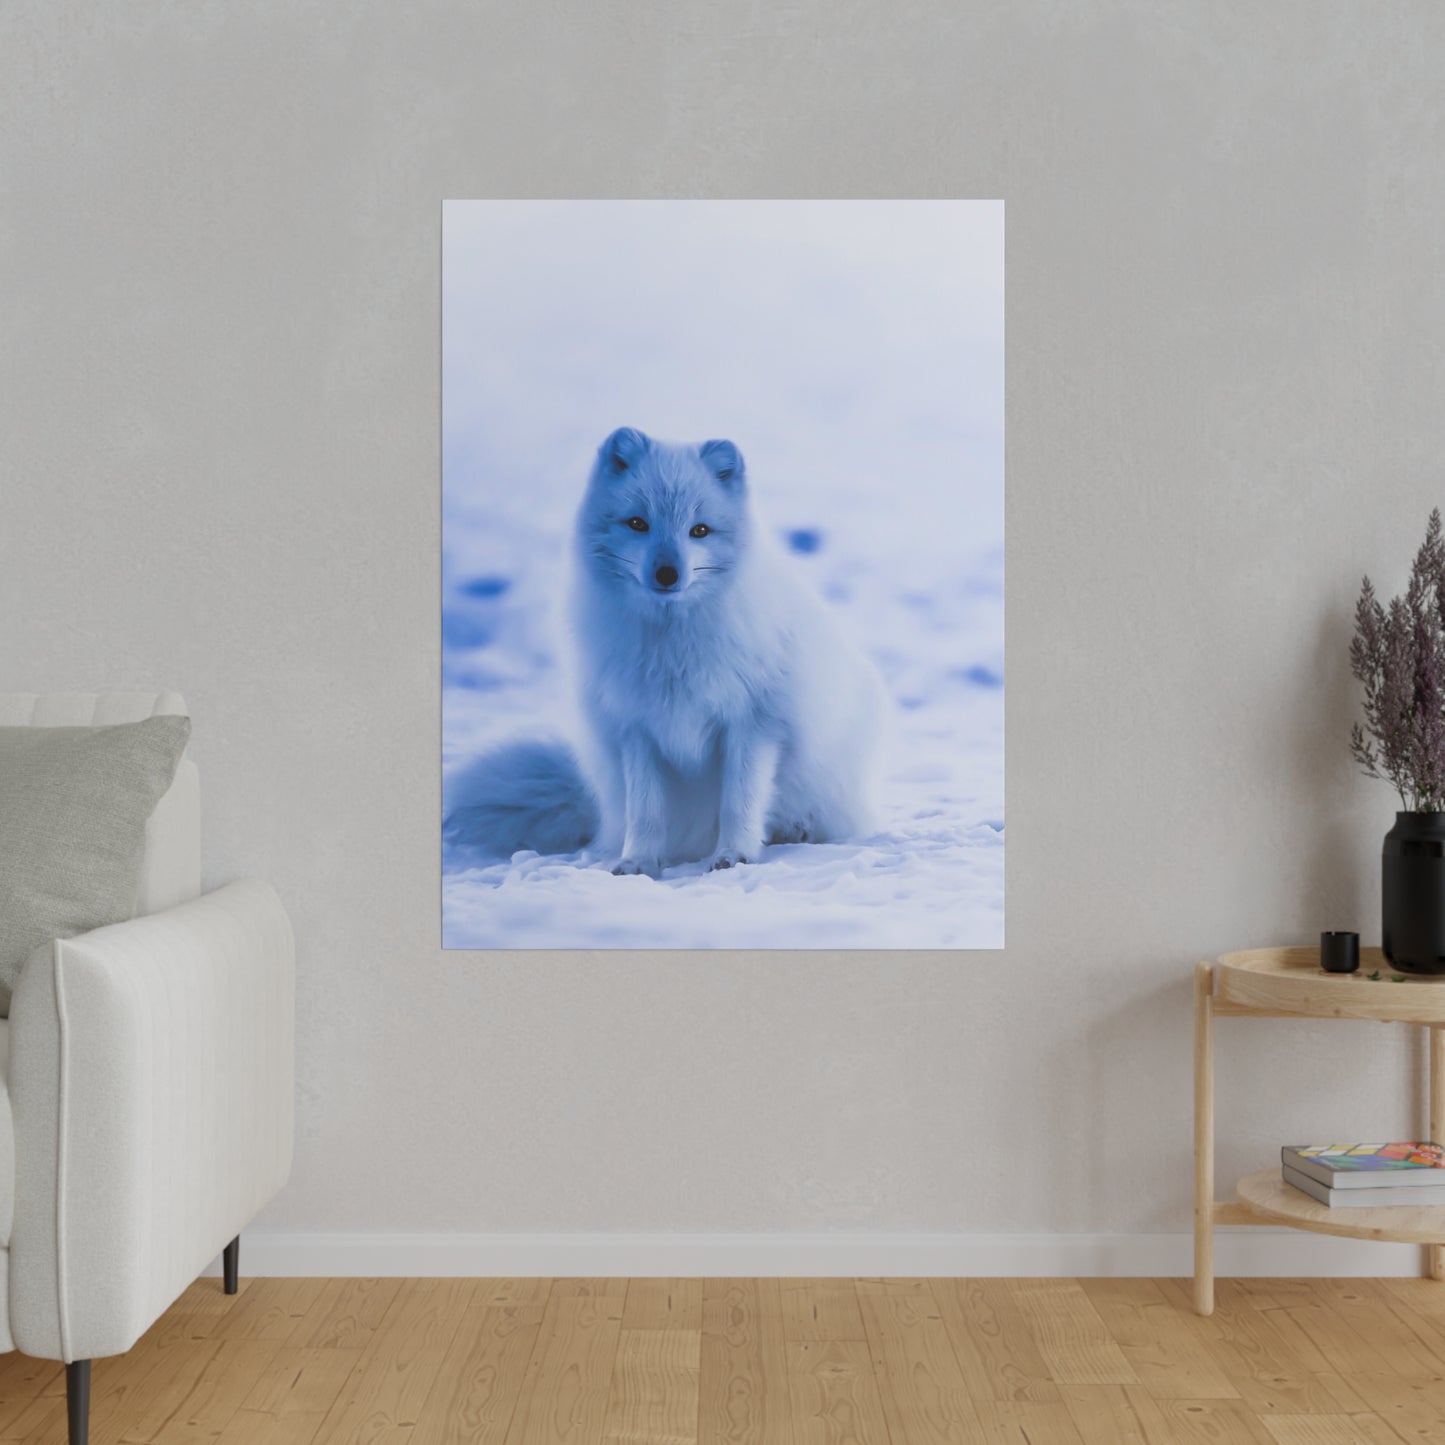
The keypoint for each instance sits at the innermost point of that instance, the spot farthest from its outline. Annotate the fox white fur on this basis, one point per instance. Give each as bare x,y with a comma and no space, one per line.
724,707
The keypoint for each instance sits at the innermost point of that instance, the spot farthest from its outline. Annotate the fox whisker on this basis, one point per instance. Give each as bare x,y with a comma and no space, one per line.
623,565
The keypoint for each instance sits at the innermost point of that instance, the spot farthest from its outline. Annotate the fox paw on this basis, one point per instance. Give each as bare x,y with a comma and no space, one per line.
725,858
648,867
790,833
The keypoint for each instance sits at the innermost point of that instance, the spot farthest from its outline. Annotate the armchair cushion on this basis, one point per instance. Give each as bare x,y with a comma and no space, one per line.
74,803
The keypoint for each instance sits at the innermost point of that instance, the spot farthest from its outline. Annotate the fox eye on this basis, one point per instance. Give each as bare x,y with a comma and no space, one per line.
637,524
701,530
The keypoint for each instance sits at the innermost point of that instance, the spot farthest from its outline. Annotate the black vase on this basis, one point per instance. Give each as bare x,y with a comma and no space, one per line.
1414,893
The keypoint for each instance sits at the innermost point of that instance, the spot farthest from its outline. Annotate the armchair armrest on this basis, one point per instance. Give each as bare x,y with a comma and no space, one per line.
151,1081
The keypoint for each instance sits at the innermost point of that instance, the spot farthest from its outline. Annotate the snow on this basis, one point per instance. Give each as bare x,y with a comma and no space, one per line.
854,352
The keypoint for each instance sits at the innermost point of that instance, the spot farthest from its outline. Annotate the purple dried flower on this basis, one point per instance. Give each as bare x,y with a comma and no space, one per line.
1398,654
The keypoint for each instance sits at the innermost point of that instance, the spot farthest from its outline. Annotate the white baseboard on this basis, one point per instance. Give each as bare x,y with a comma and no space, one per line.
1240,1252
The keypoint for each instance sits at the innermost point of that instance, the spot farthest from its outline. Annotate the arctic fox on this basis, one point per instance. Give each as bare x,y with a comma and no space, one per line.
723,706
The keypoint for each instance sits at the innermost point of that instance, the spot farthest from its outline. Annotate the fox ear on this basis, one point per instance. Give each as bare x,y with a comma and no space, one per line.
622,450
723,460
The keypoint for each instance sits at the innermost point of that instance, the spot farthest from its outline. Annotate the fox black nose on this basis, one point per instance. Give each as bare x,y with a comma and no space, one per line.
666,576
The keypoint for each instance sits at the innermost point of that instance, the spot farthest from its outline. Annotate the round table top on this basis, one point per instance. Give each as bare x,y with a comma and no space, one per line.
1291,981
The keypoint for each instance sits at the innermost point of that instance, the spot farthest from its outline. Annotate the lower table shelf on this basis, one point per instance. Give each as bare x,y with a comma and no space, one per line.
1267,1195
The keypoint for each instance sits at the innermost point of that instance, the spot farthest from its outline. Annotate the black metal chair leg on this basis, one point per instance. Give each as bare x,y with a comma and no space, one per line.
77,1401
231,1264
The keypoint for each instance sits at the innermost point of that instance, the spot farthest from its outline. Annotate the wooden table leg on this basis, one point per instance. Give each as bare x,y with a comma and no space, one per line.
1435,1253
1204,1138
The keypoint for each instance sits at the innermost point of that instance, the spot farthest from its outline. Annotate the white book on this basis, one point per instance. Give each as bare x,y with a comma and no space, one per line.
1409,1194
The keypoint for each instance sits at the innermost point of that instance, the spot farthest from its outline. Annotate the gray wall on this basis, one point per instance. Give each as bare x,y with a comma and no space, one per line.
219,233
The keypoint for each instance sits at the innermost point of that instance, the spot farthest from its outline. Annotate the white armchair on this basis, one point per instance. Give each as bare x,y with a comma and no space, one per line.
148,1068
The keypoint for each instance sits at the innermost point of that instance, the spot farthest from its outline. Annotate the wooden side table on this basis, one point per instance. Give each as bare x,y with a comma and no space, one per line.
1289,983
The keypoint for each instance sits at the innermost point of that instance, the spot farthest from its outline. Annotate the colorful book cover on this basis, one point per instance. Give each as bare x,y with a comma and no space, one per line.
1365,1158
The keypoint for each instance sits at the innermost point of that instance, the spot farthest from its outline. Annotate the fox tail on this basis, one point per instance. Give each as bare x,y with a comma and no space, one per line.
524,795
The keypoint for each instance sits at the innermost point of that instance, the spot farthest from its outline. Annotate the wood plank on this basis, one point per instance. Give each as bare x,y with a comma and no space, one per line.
1419,1296
1164,1345
1110,1413
663,1304
397,1369
1073,1340
1268,1375
743,1372
1276,1292
43,1422
1330,1430
43,1415
176,1372
24,1380
597,1288
274,1312
1408,1343
1413,1408
1255,1312
346,1316
1334,1337
480,1382
654,1388
834,1395
1207,1422
925,1397
916,1287
207,1297
570,1374
996,1351
290,1400
229,1376
514,1291
1421,1311
175,1327
821,1309
1028,1422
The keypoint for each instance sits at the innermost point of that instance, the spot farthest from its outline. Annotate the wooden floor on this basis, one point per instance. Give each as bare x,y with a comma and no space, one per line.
765,1362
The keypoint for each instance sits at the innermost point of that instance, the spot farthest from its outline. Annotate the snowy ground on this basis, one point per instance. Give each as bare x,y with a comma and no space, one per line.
913,560
933,878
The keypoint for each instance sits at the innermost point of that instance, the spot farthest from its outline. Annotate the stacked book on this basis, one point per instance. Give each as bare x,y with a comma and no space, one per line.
1367,1176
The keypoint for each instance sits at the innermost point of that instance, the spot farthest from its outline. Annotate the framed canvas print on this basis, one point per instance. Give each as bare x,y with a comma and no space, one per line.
722,571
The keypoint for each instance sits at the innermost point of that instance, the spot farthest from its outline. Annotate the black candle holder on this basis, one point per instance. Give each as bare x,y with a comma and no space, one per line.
1340,952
